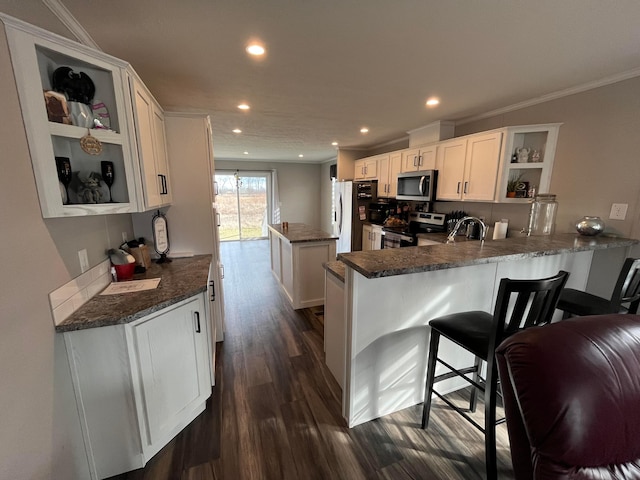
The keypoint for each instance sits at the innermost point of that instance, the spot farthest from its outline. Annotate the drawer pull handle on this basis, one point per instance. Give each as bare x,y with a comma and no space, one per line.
197,315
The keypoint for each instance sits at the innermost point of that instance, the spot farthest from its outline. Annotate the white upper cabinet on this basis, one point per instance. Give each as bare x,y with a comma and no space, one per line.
53,139
151,145
481,166
450,166
415,159
366,169
81,168
468,167
388,170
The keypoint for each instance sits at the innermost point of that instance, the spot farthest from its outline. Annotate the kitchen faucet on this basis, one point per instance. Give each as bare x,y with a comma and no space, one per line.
483,229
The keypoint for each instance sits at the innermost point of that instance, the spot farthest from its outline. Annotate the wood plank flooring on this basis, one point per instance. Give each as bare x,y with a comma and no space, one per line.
275,410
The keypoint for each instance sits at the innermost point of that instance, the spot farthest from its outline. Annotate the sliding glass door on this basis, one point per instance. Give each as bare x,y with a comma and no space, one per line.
243,204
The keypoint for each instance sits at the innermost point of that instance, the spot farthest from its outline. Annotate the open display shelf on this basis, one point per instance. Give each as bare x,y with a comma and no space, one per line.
534,176
36,55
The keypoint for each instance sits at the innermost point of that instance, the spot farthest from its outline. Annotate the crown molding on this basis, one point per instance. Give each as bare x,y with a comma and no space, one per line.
69,21
603,82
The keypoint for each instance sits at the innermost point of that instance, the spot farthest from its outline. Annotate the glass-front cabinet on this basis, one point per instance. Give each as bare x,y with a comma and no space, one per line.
81,167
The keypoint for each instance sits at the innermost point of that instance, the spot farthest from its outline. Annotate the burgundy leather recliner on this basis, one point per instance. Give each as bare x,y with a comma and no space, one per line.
572,398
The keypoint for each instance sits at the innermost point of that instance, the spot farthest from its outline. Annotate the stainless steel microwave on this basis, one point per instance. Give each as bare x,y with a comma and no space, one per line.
419,186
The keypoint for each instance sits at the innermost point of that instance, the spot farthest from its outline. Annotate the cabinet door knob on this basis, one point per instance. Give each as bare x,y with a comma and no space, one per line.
458,189
213,290
466,185
197,315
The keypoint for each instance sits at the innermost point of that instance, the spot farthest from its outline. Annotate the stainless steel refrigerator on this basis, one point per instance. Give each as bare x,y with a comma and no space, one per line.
351,211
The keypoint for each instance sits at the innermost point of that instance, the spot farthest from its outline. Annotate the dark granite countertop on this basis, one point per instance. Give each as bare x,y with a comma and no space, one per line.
300,232
401,261
336,268
180,279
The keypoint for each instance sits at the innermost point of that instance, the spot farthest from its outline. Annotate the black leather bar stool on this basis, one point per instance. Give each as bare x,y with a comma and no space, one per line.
520,304
576,303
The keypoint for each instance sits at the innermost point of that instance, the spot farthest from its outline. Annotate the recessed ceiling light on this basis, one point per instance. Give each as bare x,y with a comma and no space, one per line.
300,156
432,102
236,130
255,49
335,144
244,106
246,153
364,130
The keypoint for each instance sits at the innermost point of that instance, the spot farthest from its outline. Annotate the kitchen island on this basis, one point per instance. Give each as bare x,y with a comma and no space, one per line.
297,255
390,295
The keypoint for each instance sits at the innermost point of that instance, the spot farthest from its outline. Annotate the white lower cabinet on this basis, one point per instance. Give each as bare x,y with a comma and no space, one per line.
371,237
138,385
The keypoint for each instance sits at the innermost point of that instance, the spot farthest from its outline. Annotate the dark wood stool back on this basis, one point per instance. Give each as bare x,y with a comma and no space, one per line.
626,291
520,304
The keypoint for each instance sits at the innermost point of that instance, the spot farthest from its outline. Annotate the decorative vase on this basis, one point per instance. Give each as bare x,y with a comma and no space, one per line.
590,226
81,114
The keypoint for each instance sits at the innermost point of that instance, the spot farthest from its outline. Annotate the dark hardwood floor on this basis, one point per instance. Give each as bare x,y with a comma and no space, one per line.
275,410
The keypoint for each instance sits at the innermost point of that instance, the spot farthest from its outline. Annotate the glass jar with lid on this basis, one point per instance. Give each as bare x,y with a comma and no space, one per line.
542,217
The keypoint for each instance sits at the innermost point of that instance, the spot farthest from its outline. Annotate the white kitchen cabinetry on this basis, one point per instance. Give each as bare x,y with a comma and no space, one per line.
540,142
298,266
137,385
415,159
35,55
371,237
335,330
151,143
366,169
193,216
468,167
388,170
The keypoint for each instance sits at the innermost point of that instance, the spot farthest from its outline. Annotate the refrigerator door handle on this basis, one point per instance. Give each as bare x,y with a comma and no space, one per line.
341,215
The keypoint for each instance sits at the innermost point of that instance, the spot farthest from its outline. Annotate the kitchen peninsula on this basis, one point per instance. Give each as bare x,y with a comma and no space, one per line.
390,295
297,254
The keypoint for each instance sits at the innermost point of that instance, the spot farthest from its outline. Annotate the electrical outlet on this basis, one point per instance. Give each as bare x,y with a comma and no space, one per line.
618,211
84,260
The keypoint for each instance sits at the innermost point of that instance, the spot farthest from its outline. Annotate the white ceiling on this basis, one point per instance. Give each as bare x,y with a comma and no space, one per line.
333,66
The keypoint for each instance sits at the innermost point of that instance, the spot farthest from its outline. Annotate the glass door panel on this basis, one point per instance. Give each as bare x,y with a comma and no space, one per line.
243,205
253,207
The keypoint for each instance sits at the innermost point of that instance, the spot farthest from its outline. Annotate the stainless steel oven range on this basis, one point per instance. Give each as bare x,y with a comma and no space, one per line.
419,222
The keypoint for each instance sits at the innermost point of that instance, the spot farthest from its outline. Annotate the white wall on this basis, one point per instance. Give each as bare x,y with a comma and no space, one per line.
597,162
298,185
40,435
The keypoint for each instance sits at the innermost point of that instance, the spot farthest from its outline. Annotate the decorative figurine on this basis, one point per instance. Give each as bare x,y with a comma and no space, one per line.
523,155
535,156
89,190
